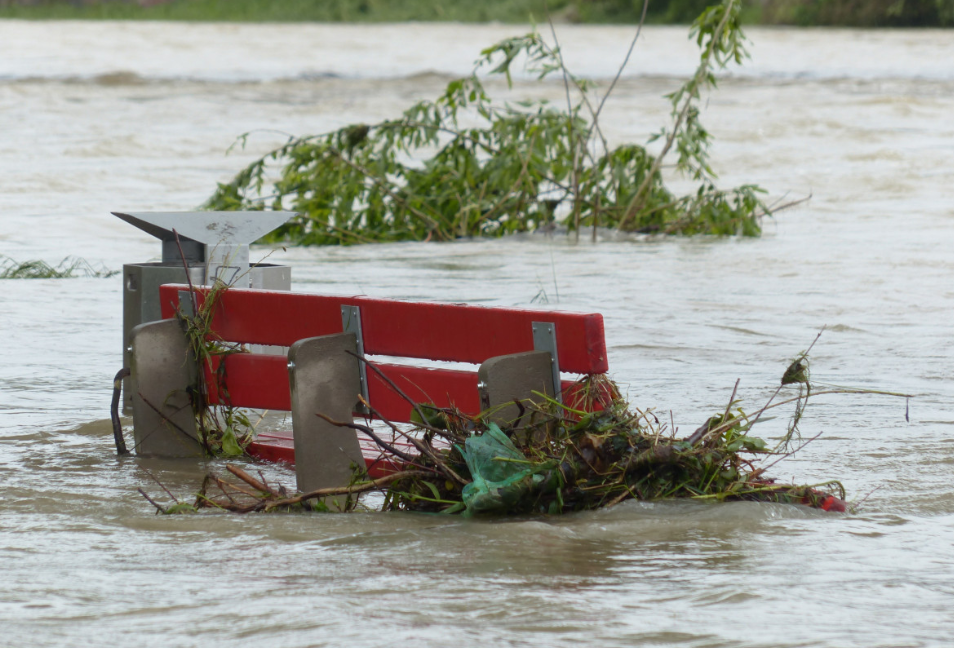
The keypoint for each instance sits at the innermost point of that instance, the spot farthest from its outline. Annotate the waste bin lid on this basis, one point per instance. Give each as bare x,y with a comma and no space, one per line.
208,227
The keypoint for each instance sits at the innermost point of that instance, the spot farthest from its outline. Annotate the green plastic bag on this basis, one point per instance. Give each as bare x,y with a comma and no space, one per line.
502,476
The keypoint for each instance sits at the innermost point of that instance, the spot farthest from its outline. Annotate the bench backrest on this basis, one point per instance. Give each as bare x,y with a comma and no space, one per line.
420,330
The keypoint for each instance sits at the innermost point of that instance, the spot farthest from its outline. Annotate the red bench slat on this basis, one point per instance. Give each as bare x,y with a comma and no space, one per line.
451,332
261,381
440,387
252,380
280,448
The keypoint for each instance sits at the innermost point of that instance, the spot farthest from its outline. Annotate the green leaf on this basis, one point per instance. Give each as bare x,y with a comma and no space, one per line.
230,446
432,416
436,493
754,444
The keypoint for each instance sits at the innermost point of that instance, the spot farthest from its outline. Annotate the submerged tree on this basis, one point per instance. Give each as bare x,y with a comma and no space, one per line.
465,165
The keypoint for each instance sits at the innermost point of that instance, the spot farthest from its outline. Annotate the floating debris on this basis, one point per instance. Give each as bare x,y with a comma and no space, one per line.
592,451
68,268
557,459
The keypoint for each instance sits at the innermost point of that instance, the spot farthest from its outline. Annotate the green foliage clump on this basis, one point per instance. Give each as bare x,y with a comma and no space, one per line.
593,451
562,459
68,268
465,165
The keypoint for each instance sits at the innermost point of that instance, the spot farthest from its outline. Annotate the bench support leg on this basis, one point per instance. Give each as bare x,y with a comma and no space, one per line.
504,379
163,374
324,378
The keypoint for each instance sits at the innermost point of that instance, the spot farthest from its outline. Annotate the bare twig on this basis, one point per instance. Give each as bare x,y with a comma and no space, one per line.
619,73
420,446
810,346
218,482
725,426
636,202
159,509
342,490
374,367
706,430
728,407
569,123
370,433
566,73
764,407
241,489
855,507
441,465
700,432
771,209
251,481
788,454
156,479
619,498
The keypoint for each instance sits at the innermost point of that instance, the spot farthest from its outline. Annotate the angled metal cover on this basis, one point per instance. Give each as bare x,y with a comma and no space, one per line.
208,227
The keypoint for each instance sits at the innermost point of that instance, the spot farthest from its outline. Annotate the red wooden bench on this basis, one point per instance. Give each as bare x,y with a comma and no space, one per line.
518,351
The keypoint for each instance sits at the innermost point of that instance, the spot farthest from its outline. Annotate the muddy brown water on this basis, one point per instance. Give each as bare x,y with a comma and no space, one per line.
105,116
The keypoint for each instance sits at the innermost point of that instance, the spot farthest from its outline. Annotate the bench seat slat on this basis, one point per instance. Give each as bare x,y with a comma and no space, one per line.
280,448
451,332
252,380
261,381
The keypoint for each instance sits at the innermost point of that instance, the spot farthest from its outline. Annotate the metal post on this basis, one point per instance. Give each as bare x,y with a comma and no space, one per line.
212,245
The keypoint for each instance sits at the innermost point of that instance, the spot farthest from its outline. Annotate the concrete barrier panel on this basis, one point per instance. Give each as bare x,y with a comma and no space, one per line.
324,378
163,373
506,378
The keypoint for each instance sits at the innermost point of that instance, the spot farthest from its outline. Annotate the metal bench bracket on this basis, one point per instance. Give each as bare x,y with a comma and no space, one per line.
351,323
185,303
544,339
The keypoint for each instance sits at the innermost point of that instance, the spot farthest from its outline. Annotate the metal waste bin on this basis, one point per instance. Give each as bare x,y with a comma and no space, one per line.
214,245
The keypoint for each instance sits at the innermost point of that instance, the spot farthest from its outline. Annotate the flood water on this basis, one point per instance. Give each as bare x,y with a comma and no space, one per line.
96,117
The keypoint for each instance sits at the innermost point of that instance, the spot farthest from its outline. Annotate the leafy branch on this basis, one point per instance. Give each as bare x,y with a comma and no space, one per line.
465,165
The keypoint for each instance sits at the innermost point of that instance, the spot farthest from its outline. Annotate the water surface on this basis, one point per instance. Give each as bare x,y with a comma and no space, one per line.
98,117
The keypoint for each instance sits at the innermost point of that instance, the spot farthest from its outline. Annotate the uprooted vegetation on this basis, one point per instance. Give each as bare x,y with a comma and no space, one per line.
223,430
68,268
466,165
591,452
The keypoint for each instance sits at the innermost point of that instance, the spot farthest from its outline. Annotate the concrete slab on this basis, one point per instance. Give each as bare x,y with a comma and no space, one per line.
324,378
516,376
163,372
